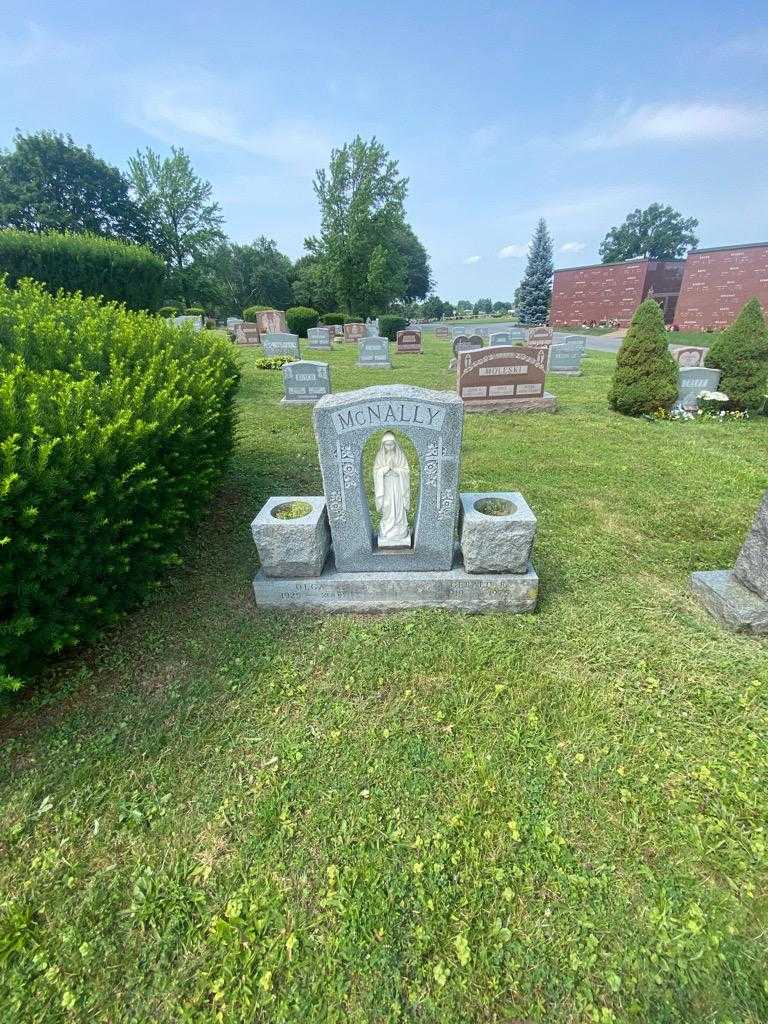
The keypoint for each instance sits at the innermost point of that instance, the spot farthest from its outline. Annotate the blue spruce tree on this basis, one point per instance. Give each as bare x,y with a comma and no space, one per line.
535,290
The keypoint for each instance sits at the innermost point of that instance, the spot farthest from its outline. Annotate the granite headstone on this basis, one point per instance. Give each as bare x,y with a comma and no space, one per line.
504,379
373,352
281,345
305,381
693,380
354,331
566,355
319,337
409,341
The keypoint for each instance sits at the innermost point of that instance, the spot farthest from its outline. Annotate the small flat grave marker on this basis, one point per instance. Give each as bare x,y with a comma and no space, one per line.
409,341
504,379
305,381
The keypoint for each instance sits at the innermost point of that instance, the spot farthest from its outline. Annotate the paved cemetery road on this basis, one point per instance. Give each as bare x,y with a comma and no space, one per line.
607,344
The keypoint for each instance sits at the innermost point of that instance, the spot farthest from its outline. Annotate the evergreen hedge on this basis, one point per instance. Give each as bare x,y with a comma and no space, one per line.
249,313
389,325
329,319
645,378
115,428
741,352
300,318
116,271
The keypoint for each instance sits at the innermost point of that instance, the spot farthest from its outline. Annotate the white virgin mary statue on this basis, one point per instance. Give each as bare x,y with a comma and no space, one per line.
392,490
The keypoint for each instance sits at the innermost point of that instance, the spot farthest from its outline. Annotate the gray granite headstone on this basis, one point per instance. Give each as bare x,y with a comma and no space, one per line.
501,338
373,352
518,333
566,355
433,422
196,321
280,345
233,321
751,567
692,380
305,381
319,337
476,340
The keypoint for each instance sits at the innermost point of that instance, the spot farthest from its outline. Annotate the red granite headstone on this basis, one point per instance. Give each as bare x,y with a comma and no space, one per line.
409,341
354,332
271,321
504,378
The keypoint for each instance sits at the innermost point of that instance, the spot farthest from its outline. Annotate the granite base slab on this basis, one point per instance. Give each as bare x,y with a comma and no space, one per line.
545,403
565,373
381,365
729,602
451,589
300,401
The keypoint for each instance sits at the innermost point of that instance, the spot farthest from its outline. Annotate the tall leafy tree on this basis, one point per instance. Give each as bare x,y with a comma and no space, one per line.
658,233
185,223
360,249
535,290
417,268
48,183
311,286
245,275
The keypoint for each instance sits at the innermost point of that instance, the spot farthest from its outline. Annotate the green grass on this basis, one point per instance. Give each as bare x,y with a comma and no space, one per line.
225,814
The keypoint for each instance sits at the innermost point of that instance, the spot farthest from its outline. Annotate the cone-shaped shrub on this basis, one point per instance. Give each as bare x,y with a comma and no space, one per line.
741,352
645,378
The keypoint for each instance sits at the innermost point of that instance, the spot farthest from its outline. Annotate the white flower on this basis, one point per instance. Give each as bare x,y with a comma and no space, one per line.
713,396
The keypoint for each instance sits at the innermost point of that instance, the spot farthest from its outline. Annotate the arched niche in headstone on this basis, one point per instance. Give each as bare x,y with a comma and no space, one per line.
433,422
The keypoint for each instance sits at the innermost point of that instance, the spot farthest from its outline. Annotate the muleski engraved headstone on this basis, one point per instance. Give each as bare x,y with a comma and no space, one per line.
738,599
305,381
409,341
691,382
319,337
393,531
281,345
504,379
373,352
566,354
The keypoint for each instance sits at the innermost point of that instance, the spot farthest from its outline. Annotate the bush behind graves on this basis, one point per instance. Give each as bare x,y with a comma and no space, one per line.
645,378
389,325
249,313
195,311
118,271
741,352
300,318
115,428
329,319
168,311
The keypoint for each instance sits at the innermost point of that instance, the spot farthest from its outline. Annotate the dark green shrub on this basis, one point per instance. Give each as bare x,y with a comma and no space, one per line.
741,352
389,325
300,318
117,271
195,311
115,428
249,313
645,378
353,319
327,319
168,311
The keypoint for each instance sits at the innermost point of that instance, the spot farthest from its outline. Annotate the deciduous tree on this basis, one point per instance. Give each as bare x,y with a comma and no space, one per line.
658,233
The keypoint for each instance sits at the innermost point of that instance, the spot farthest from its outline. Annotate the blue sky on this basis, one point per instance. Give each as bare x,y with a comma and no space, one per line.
497,112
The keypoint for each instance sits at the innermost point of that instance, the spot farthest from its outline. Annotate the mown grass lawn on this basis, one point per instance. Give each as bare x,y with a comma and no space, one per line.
222,814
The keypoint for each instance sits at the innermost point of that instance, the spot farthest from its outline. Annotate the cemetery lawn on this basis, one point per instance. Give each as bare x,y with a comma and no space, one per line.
221,814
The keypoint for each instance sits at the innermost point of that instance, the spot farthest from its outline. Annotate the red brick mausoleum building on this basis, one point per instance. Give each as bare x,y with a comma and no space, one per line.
613,291
717,283
705,291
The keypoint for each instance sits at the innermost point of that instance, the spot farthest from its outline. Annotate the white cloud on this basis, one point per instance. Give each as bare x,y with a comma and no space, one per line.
513,251
676,122
37,45
472,259
573,247
189,106
485,137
